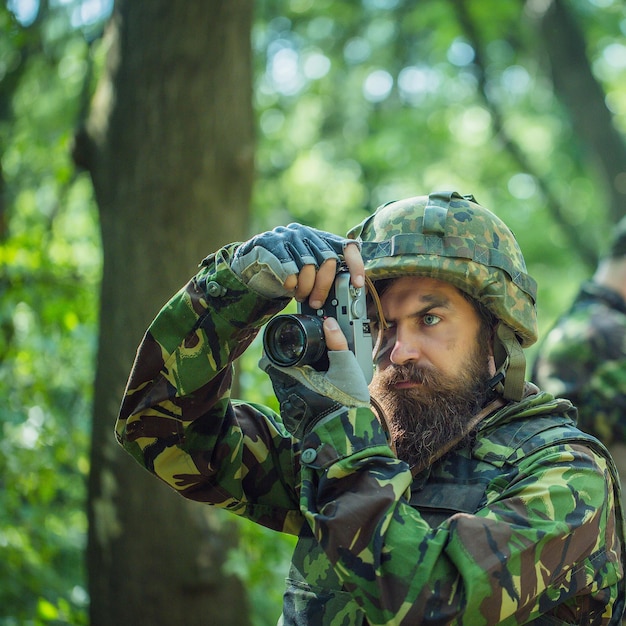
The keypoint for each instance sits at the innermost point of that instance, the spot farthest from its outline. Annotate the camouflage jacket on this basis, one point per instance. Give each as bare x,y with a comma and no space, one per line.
583,358
521,527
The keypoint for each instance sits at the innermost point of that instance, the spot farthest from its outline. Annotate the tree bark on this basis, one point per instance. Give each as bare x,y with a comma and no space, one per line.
169,144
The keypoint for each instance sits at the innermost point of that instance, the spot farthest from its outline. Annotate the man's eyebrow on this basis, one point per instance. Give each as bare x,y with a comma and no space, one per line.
431,301
435,300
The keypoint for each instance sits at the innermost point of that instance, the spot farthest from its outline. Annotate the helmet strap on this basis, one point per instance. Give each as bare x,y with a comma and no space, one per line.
510,364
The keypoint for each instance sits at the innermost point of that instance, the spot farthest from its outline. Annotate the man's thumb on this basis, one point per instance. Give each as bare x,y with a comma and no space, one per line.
335,339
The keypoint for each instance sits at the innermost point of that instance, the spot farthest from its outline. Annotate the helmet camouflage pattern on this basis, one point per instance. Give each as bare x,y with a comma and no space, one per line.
452,238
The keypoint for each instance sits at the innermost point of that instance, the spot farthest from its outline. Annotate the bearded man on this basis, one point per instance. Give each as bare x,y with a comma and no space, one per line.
449,491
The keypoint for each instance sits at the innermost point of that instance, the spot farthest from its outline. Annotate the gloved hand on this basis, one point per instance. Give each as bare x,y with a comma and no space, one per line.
307,396
267,260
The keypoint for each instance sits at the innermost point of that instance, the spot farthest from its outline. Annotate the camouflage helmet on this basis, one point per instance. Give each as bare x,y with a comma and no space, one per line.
452,238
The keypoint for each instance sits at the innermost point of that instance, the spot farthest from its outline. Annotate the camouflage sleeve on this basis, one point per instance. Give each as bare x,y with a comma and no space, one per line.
602,402
177,419
539,541
583,359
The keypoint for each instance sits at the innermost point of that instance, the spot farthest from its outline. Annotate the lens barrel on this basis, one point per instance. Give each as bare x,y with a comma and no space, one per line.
291,340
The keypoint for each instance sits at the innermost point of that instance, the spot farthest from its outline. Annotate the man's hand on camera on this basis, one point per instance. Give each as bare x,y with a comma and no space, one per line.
307,396
296,261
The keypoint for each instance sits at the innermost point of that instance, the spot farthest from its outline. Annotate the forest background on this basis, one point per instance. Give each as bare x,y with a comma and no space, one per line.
135,139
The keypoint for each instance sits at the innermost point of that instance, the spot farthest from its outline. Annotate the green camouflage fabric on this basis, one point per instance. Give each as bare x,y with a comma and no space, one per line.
452,238
539,540
583,358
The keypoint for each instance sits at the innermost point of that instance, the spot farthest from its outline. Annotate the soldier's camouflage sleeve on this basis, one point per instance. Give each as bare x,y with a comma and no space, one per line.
176,417
545,537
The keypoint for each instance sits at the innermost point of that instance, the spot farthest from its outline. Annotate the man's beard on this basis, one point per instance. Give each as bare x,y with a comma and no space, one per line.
424,420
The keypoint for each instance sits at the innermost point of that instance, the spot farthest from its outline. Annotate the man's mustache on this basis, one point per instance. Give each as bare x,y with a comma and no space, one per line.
411,372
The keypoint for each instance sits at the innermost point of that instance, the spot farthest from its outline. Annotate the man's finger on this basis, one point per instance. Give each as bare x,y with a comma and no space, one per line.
291,282
335,339
306,281
323,282
354,261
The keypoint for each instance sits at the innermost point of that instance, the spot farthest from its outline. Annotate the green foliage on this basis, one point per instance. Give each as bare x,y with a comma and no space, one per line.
362,103
358,103
260,562
50,260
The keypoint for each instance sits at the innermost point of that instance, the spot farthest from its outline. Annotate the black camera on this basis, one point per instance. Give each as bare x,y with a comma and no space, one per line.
298,339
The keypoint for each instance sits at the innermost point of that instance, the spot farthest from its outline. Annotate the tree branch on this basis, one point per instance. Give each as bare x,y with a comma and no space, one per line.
587,253
584,97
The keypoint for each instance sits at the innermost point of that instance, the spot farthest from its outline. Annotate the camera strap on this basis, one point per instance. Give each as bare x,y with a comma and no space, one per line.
382,326
382,322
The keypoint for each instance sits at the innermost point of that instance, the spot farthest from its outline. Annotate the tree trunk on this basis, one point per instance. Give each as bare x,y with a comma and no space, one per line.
584,97
169,144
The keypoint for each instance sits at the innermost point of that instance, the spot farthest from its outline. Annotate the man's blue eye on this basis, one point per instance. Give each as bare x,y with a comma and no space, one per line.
431,320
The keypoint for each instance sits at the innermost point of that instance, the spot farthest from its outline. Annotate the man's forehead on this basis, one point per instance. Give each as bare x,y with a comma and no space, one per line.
422,287
417,292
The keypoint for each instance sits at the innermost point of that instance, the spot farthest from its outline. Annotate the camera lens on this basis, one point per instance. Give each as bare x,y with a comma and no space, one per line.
288,341
294,340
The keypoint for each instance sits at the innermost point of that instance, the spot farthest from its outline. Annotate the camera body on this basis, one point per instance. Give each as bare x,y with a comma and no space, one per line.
298,339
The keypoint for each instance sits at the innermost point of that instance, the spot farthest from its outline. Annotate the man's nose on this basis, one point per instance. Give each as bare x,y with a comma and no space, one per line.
405,349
